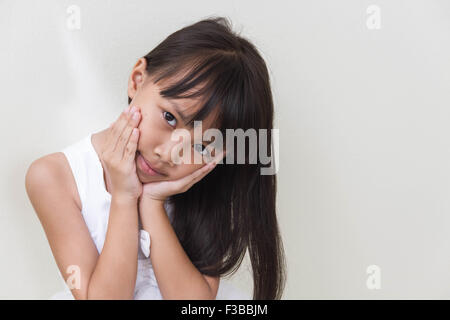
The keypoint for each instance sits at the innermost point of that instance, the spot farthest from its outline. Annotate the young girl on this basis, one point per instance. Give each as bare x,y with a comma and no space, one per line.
124,220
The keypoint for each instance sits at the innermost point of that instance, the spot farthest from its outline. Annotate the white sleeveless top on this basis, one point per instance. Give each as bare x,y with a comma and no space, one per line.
96,201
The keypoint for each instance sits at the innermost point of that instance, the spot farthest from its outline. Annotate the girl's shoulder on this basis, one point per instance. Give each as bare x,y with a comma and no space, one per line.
57,165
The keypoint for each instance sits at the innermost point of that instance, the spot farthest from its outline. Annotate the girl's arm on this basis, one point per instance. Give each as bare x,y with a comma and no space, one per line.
114,276
177,277
110,275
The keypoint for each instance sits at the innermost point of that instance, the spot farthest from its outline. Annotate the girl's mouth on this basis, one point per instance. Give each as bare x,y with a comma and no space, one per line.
145,166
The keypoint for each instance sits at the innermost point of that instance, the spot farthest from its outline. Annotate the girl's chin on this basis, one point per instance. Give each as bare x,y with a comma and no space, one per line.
147,178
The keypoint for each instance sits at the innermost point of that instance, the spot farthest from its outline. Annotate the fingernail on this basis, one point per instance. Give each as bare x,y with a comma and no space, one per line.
136,116
133,109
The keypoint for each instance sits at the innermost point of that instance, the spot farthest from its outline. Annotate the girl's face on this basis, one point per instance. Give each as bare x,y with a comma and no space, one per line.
159,118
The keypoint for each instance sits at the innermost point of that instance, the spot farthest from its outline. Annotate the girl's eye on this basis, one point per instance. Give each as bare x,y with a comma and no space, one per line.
169,117
200,148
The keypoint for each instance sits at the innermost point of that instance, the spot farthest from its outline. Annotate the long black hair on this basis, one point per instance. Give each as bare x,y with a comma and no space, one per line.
233,208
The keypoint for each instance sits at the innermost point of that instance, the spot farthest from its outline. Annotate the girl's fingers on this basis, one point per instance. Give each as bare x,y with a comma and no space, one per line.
203,171
130,150
196,176
126,133
219,156
117,128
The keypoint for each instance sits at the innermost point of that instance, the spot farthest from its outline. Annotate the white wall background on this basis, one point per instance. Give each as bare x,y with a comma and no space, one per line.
363,115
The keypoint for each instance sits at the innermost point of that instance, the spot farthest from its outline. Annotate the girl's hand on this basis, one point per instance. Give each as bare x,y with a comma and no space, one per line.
162,189
118,155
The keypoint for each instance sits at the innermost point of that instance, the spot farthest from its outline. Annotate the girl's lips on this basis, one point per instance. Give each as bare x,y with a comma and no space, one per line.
146,167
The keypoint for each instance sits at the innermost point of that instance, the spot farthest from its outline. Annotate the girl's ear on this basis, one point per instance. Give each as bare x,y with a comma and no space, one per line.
137,77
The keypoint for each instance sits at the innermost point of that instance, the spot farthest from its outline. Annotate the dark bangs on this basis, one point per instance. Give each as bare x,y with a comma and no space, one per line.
218,77
211,64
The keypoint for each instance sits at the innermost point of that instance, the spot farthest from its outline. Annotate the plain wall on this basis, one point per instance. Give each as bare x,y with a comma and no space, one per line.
364,171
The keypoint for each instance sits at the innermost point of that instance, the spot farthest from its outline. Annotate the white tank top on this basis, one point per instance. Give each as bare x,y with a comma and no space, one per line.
96,201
